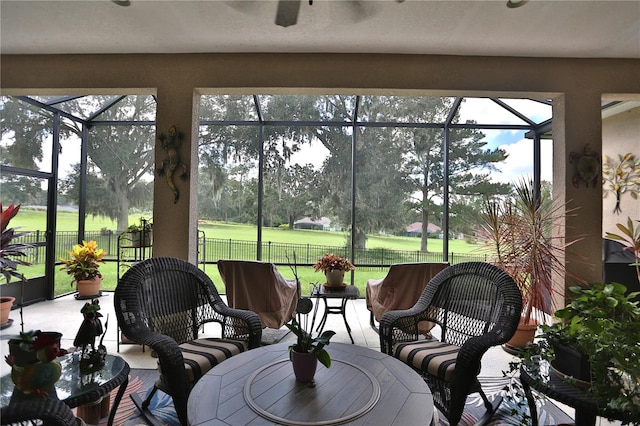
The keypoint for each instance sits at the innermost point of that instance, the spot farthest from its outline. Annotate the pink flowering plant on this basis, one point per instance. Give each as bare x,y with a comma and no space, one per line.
333,262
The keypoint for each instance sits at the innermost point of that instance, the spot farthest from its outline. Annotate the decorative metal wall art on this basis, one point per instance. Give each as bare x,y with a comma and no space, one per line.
171,142
621,176
587,166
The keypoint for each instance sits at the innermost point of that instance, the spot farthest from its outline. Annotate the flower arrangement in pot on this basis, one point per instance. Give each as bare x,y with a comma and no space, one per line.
83,264
334,266
307,350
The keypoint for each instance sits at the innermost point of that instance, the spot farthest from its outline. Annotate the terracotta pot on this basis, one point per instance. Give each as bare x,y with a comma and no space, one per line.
523,335
89,288
6,302
304,366
334,278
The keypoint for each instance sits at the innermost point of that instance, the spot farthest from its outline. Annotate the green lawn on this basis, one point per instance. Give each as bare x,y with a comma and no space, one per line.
30,220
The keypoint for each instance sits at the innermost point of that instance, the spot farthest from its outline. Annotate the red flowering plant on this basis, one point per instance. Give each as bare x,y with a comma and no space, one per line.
333,262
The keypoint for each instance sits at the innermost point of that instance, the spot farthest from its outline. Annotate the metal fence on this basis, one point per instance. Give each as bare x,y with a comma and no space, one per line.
212,249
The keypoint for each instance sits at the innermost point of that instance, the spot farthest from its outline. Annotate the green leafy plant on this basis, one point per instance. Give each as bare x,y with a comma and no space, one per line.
84,261
602,323
305,341
144,225
630,238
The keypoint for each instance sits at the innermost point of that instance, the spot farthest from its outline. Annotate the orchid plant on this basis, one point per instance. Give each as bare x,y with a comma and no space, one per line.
305,341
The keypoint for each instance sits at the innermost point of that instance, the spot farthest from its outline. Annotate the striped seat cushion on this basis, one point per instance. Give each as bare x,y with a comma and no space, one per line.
434,357
201,355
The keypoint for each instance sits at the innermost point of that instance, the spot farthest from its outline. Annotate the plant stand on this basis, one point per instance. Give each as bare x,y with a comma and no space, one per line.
541,379
349,292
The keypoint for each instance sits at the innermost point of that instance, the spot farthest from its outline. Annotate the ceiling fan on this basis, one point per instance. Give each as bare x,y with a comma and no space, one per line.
287,13
288,10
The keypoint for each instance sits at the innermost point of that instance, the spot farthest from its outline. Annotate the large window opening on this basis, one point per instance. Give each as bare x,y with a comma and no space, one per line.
82,167
379,179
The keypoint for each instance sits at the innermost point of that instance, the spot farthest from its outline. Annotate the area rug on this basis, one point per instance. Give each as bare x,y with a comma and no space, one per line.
508,413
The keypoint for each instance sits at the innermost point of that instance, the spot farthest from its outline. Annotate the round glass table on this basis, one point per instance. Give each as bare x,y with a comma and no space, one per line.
76,389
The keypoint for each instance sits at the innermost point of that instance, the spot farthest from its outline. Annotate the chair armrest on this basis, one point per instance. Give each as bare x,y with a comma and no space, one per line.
250,320
400,326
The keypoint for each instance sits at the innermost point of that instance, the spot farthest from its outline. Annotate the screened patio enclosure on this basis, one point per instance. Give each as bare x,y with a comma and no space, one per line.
361,167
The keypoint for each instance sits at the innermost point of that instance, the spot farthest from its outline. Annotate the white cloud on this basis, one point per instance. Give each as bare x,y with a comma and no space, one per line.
519,163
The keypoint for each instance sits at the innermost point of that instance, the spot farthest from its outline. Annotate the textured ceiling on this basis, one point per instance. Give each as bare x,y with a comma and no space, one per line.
576,29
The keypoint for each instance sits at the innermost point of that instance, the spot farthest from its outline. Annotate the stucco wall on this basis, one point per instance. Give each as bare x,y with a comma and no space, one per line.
620,135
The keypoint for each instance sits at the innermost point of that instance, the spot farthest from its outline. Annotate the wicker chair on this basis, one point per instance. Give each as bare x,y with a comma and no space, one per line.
477,306
163,303
400,289
52,412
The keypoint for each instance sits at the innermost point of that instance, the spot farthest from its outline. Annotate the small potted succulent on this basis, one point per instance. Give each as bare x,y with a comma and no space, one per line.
307,350
334,266
84,264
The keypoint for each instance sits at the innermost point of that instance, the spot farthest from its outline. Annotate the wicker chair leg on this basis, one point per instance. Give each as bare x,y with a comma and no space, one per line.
491,407
372,322
143,407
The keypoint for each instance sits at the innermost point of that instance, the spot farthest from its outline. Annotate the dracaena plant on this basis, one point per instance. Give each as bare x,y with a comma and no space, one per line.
518,232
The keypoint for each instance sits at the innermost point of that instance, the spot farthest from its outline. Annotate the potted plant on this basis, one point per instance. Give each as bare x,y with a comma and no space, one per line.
32,357
334,266
83,264
519,234
12,255
630,238
593,345
142,233
307,350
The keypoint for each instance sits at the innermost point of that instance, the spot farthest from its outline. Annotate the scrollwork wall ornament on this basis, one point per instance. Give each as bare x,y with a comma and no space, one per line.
621,176
171,142
587,166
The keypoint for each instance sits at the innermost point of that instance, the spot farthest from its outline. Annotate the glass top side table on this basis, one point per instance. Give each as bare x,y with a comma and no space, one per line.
76,389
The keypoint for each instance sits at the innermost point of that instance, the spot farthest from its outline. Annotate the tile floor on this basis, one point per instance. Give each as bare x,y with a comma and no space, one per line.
63,315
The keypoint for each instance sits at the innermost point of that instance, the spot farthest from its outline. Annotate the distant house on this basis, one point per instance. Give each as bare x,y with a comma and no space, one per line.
415,229
322,224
